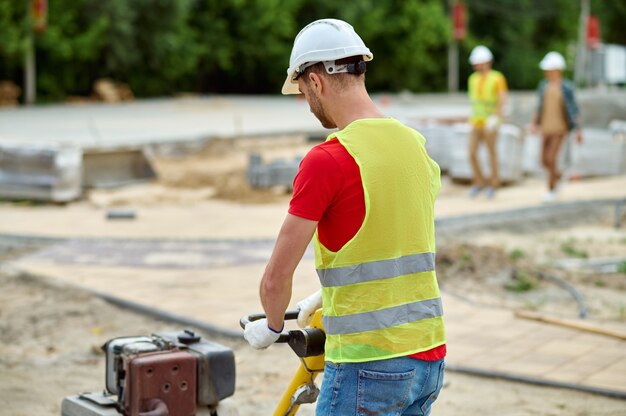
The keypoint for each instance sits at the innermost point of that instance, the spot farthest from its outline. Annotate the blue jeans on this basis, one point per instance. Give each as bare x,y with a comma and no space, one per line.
397,386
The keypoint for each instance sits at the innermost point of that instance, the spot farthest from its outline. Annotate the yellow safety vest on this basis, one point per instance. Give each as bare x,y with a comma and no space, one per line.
379,291
484,98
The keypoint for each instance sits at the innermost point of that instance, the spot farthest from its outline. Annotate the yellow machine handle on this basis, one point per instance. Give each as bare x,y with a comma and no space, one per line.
306,373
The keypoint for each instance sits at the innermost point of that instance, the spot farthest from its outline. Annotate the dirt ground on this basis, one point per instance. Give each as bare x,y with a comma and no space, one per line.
50,334
216,170
50,338
505,269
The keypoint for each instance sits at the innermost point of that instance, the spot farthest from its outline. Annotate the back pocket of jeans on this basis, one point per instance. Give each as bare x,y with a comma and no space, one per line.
383,393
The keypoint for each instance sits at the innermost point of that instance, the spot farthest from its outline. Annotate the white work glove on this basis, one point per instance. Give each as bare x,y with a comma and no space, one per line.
259,334
307,308
493,122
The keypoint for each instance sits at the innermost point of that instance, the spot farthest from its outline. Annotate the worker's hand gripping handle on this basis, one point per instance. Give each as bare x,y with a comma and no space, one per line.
284,336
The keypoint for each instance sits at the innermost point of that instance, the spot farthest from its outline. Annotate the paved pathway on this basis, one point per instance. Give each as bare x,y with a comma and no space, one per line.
494,340
162,254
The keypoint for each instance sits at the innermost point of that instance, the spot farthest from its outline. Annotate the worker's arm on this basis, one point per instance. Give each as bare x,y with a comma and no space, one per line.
293,239
577,118
579,132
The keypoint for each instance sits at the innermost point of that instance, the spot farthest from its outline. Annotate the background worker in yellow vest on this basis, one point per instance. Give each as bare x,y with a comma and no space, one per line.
366,197
487,92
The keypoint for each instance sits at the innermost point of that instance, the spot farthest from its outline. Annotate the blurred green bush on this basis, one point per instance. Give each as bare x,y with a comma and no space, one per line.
162,47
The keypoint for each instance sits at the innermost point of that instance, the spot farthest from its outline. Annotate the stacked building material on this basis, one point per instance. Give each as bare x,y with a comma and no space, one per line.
509,148
439,139
279,172
40,172
602,153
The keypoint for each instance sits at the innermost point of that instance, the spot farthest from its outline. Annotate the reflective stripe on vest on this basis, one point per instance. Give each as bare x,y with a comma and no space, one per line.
384,318
374,270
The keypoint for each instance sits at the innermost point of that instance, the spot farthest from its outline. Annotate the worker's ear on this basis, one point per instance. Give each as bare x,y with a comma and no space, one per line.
316,83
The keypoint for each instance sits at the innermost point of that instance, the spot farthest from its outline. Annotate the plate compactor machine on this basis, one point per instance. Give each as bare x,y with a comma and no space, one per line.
182,374
163,374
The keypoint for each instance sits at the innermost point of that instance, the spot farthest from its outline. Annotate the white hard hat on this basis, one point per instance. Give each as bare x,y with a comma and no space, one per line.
552,61
324,40
480,55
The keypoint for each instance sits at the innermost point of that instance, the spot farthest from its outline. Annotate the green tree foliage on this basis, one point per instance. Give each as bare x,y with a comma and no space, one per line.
12,37
69,49
612,16
408,38
147,43
521,32
244,44
163,47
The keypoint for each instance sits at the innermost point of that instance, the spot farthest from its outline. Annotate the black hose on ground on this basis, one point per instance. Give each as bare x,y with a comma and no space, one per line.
210,329
167,316
535,380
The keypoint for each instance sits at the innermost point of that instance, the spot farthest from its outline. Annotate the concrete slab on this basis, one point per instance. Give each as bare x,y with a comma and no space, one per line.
106,126
40,172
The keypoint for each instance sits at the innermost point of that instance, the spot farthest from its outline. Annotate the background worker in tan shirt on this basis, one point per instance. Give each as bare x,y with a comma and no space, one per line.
557,114
487,91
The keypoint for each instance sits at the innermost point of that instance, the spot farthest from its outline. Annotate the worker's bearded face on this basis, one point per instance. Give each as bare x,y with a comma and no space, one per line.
316,106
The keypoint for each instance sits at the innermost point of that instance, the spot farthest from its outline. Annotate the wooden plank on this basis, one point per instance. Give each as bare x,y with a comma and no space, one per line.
578,325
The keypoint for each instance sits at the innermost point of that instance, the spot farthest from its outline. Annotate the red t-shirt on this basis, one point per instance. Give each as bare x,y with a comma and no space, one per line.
328,189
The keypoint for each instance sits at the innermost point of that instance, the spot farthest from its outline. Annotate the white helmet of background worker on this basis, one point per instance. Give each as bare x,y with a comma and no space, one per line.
480,55
552,61
325,40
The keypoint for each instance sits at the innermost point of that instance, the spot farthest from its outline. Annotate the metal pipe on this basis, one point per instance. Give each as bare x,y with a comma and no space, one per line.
581,53
453,56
